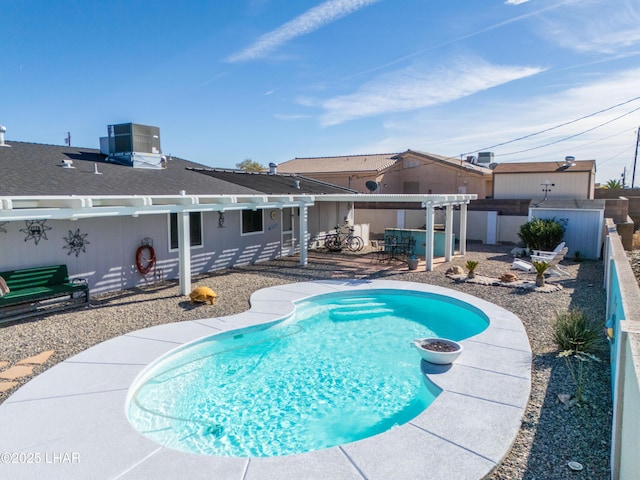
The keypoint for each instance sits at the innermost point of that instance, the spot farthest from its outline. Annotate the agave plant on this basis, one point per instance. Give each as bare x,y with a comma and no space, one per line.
540,268
471,266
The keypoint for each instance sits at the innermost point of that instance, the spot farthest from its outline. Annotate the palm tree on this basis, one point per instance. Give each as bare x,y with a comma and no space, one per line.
613,184
540,267
471,266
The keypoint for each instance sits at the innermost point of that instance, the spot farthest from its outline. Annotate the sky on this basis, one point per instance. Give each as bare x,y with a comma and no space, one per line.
272,80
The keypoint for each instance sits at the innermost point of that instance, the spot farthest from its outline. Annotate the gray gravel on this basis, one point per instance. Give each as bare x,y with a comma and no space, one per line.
551,434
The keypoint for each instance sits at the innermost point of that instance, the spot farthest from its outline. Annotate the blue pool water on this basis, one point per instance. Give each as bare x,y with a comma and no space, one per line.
340,369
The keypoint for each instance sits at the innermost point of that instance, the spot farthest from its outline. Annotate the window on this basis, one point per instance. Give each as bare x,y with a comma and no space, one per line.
195,229
252,221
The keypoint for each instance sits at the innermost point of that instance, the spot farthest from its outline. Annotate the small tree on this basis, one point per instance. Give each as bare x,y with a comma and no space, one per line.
540,268
613,184
471,266
542,233
249,165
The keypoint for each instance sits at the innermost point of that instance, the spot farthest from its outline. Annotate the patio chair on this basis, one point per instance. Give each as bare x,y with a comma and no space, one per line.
553,259
555,251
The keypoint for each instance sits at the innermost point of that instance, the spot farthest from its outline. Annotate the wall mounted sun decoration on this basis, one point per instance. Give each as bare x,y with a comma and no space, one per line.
76,242
36,230
3,230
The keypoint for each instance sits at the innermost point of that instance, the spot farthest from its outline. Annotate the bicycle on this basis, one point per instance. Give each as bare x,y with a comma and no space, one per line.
335,241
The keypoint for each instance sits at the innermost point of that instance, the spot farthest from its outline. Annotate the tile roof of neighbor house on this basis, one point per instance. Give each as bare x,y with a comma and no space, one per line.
450,161
545,167
347,163
31,169
288,184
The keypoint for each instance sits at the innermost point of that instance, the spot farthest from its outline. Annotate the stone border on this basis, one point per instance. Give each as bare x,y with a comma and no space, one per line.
70,421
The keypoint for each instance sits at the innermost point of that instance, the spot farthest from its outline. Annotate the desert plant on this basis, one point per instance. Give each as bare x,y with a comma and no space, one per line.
577,371
540,268
577,337
572,330
542,233
471,266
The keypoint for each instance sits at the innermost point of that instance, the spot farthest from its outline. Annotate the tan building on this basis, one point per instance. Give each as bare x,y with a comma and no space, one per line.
349,171
570,179
397,173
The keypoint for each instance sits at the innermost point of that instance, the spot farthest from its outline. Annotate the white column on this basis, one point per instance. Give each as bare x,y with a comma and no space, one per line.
184,254
448,233
462,241
304,237
429,237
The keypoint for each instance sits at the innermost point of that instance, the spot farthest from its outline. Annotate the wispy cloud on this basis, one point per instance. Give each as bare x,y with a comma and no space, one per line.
596,26
308,22
504,120
515,2
417,87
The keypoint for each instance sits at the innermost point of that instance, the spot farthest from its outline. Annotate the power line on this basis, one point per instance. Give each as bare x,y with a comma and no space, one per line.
571,136
552,128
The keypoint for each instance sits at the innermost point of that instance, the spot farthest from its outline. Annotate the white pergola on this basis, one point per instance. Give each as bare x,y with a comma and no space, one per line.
74,207
429,203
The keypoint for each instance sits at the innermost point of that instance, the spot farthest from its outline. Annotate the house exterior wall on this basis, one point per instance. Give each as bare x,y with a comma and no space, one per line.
434,178
352,180
108,260
575,185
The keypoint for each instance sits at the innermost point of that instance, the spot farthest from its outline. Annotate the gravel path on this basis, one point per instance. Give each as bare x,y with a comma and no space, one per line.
551,434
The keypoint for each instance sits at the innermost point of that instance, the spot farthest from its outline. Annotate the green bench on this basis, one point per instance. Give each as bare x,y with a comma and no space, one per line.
32,290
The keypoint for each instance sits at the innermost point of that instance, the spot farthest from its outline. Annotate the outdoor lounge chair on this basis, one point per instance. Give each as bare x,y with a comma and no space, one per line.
553,259
555,251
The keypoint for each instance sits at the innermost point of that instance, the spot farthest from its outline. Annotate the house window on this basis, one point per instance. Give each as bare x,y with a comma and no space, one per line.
195,229
411,187
252,221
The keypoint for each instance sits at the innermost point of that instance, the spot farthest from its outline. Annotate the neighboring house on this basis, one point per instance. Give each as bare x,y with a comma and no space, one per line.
92,210
570,179
419,172
407,173
350,171
410,172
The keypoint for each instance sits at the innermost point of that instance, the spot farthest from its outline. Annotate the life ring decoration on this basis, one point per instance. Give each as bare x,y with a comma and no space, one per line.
145,259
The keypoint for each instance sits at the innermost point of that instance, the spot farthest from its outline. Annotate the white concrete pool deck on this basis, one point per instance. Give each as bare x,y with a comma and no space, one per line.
70,422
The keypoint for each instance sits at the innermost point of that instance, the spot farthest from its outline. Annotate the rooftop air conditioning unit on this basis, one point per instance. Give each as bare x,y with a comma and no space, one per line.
485,157
134,145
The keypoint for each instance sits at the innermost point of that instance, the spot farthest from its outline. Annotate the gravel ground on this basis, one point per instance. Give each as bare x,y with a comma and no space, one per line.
552,434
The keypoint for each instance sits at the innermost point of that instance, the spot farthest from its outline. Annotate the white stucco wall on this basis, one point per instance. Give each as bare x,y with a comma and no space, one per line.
108,259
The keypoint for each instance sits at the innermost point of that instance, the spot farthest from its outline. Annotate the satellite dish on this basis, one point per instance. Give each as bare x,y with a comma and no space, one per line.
371,185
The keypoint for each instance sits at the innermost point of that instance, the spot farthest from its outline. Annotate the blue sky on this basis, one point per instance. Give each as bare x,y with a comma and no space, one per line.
271,80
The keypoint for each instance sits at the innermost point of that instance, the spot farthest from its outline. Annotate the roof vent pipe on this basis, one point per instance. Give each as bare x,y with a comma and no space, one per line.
273,168
2,130
569,161
297,184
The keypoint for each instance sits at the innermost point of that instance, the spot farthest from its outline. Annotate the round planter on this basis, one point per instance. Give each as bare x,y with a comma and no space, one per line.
437,355
413,263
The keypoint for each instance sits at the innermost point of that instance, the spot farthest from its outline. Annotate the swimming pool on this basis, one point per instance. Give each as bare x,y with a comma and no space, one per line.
340,369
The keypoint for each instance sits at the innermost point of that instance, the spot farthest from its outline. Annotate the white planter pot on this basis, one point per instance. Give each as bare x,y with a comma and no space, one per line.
434,356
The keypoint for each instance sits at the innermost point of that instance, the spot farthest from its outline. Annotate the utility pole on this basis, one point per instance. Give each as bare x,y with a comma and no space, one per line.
635,158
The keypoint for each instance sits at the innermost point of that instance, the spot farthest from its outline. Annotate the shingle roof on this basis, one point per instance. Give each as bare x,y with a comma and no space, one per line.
545,167
32,169
285,184
347,163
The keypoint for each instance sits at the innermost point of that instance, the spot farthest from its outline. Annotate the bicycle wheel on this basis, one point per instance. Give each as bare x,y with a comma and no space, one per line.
332,242
355,244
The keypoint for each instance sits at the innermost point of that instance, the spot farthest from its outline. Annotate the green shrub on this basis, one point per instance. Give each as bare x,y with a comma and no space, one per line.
574,331
471,266
542,233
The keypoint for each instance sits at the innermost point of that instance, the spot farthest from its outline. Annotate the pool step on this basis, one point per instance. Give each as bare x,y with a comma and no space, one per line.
358,312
